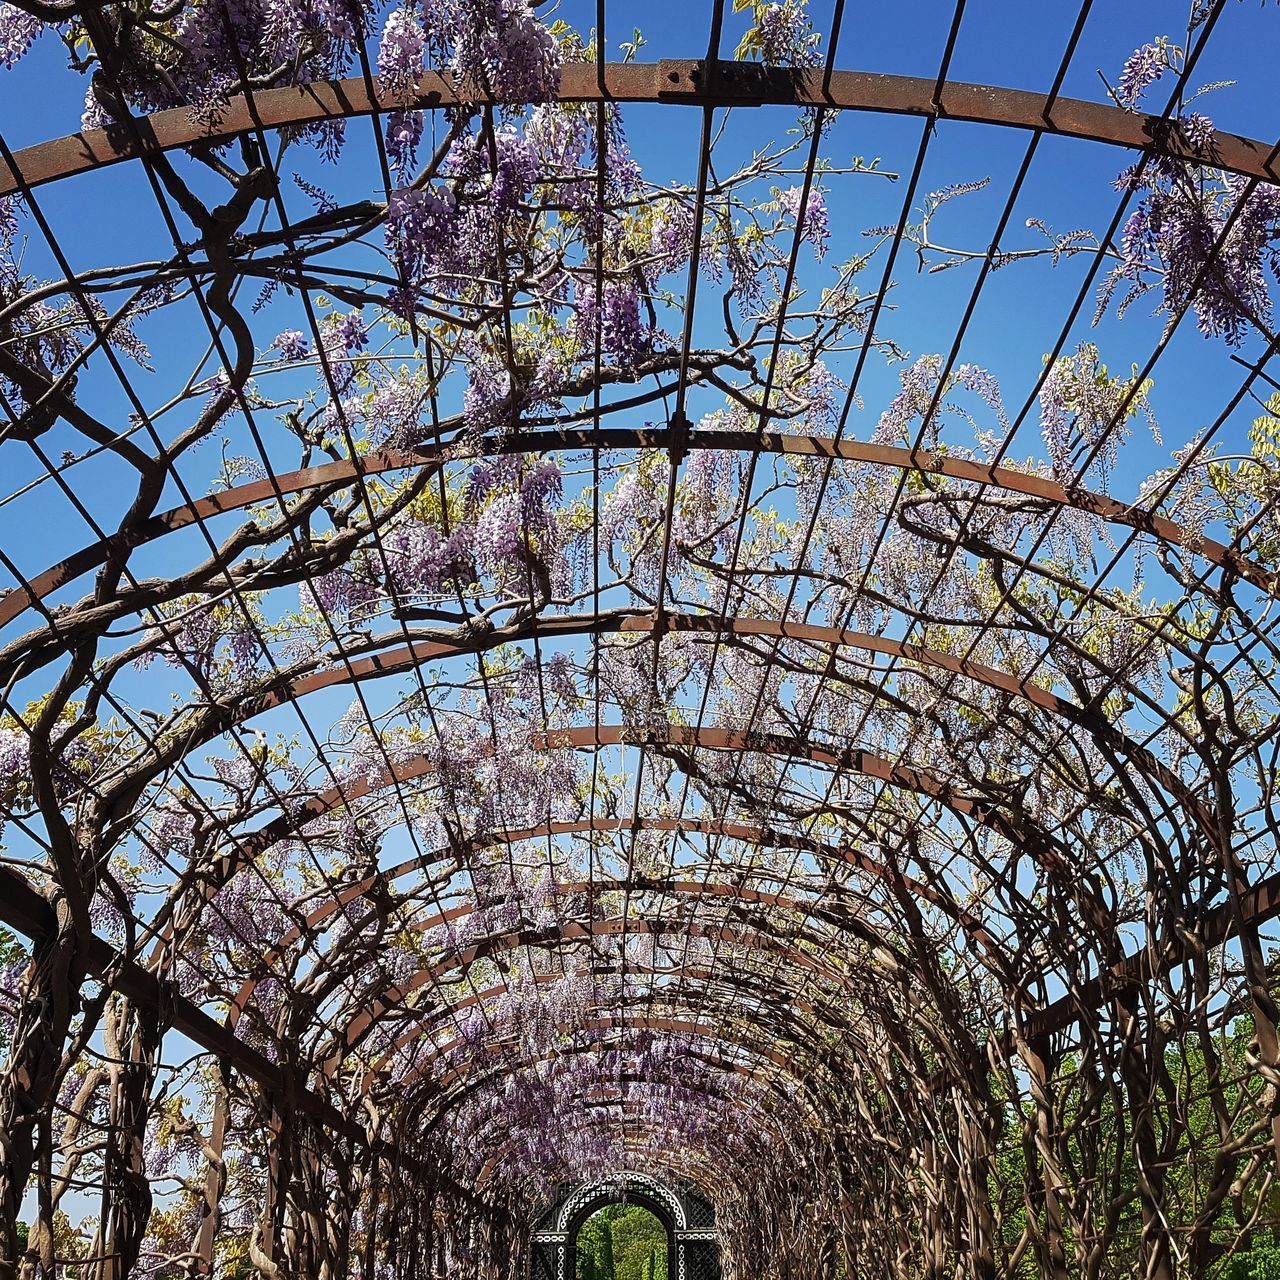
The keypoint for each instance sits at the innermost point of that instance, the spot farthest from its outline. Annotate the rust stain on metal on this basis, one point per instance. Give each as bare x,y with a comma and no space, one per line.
688,82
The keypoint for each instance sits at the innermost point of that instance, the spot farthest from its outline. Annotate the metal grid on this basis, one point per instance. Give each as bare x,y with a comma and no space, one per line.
794,988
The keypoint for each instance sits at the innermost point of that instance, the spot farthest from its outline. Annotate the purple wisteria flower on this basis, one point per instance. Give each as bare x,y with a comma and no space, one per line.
786,37
621,333
420,227
816,223
670,238
1211,244
400,54
18,32
416,557
502,45
500,534
487,399
293,345
15,762
1085,413
339,592
1198,130
404,133
1141,70
352,333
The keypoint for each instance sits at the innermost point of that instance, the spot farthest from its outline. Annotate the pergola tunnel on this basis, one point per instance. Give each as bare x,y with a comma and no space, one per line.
639,642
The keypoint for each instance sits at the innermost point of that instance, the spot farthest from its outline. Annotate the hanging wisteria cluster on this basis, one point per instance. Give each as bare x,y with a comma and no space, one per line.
561,685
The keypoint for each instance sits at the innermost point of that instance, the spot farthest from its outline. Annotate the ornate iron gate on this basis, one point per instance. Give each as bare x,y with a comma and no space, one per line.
690,1220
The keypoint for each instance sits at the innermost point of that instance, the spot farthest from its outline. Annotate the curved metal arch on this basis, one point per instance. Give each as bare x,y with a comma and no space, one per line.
379,462
675,1024
972,926
756,983
575,931
908,883
567,933
459,1082
405,657
570,932
856,761
598,1195
642,1143
850,760
769,1083
496,1045
509,941
690,1169
749,1048
582,1119
673,81
1040,845
732,1032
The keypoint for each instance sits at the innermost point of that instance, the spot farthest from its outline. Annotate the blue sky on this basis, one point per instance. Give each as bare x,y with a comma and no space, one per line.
109,215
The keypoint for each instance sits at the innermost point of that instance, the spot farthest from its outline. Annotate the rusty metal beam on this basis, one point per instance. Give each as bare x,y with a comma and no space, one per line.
378,462
689,83
26,910
569,932
764,837
406,657
495,1046
1257,905
677,736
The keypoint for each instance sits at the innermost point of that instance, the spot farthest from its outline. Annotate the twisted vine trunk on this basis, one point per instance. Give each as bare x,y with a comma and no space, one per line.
29,1085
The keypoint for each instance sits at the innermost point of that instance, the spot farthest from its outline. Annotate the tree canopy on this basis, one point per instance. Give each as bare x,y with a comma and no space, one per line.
622,1242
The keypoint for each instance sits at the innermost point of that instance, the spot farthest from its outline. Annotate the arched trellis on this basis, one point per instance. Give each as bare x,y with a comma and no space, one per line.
399,660
896,879
695,83
1266,898
686,1027
780,1073
1039,845
701,85
338,474
616,926
800,960
23,909
852,761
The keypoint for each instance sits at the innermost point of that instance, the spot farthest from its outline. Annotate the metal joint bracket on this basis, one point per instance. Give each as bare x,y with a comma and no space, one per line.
723,83
678,437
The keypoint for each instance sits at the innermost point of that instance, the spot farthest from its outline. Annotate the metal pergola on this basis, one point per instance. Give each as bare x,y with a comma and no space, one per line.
845,820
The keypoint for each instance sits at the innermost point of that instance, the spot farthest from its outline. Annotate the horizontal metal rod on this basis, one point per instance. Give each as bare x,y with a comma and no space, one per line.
380,461
690,83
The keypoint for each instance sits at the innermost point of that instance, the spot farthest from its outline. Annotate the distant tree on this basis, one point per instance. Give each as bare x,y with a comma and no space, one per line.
1262,1262
639,1244
595,1250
